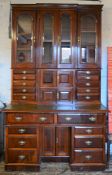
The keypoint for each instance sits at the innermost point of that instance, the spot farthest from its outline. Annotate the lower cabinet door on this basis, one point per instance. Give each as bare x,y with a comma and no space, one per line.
56,141
63,141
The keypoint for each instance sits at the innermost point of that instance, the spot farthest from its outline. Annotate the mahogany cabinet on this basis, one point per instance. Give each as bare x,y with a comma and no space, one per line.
55,112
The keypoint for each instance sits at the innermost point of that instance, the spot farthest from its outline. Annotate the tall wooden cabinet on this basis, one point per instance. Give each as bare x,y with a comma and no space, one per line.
56,111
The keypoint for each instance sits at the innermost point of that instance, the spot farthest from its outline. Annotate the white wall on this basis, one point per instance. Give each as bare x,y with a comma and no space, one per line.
5,43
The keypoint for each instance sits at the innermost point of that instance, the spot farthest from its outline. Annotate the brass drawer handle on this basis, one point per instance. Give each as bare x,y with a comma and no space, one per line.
18,118
21,157
88,72
88,157
24,90
88,84
21,130
24,84
89,131
22,142
42,119
24,97
68,118
88,90
24,78
87,97
87,78
92,119
88,142
24,71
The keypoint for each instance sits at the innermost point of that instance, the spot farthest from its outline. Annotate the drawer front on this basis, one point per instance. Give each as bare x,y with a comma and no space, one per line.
22,130
88,73
24,90
88,77
24,71
88,97
24,96
86,156
29,118
88,90
87,83
78,130
22,142
23,156
24,77
81,119
24,83
88,142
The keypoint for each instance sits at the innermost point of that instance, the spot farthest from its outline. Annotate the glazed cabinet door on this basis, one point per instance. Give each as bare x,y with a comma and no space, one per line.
89,39
23,39
47,40
66,39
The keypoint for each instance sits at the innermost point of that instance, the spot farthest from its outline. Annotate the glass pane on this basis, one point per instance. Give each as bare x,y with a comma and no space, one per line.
88,39
24,38
48,39
65,39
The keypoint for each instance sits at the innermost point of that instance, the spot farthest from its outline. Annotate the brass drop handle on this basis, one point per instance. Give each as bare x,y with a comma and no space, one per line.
42,119
92,119
18,118
21,157
89,131
88,142
88,157
22,142
68,118
21,130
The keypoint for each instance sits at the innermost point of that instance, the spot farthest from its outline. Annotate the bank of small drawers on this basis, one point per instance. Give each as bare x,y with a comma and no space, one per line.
24,85
88,85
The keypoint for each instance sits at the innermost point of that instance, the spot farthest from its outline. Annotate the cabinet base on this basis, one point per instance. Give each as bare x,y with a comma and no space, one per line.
55,159
88,167
18,167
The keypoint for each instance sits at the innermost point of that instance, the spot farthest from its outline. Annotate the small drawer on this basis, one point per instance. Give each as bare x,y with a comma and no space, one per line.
24,89
88,90
87,84
24,97
22,142
81,130
26,118
91,73
88,97
81,119
88,156
22,130
24,77
24,71
23,156
88,142
24,83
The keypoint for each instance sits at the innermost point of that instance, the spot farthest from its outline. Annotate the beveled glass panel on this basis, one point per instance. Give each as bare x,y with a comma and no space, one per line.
65,40
88,39
24,38
48,39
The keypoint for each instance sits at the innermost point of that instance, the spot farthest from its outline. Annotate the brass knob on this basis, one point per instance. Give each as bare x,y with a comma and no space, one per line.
24,90
24,78
88,142
42,119
87,97
88,90
22,142
89,131
87,78
88,84
18,118
88,157
88,72
21,130
21,157
24,84
68,118
92,119
24,71
24,97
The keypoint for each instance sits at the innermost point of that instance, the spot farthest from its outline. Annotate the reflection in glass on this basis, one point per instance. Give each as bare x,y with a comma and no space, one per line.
88,39
24,38
48,39
65,39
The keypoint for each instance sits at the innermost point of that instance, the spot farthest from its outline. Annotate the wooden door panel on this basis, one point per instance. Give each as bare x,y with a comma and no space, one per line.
65,78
